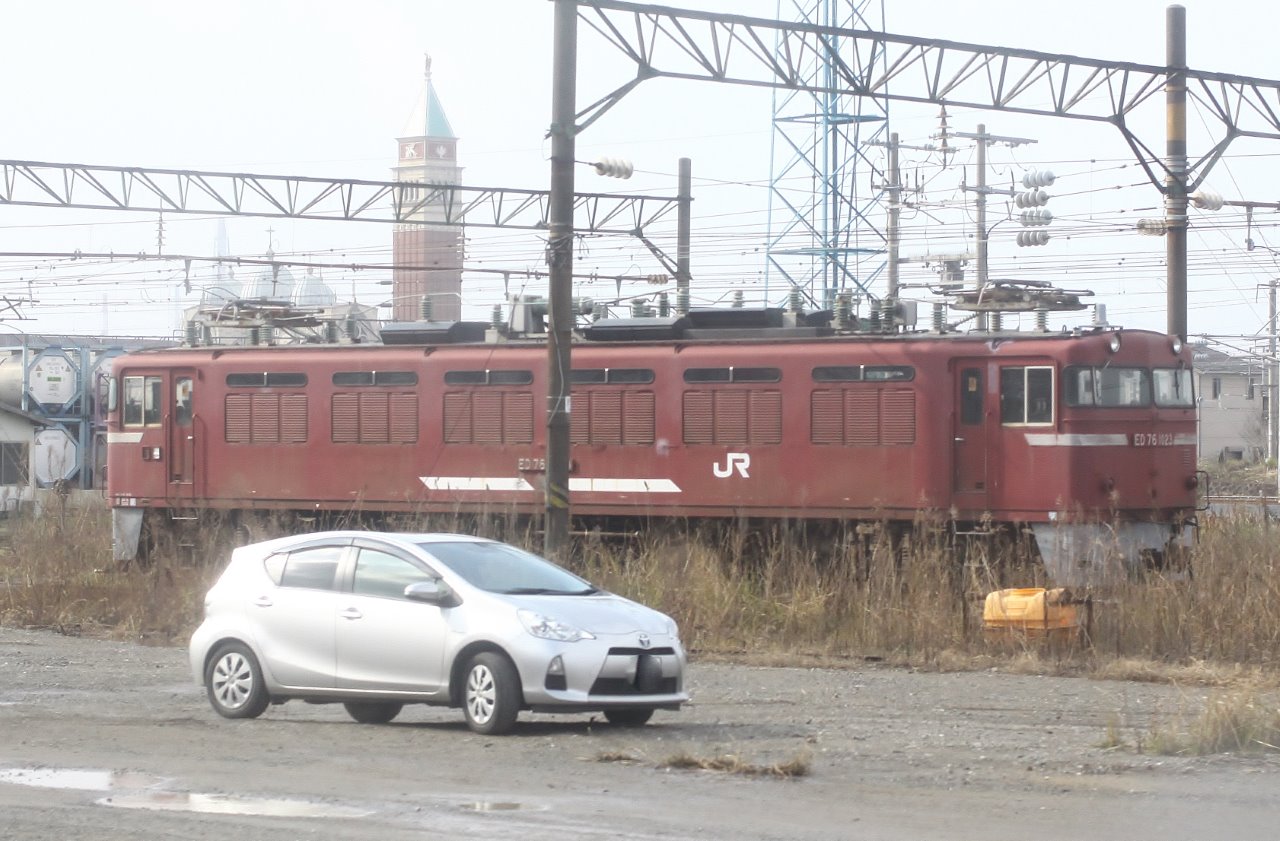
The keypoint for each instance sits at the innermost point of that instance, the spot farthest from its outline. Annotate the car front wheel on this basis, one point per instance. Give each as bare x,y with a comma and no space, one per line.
629,718
373,712
234,682
491,694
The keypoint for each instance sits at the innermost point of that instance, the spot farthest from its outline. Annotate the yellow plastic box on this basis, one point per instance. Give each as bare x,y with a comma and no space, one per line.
1031,610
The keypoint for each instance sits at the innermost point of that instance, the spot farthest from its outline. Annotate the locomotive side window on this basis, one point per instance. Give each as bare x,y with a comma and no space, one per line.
278,379
1026,395
350,378
487,377
732,375
1173,387
1108,387
971,396
616,376
143,398
858,373
182,401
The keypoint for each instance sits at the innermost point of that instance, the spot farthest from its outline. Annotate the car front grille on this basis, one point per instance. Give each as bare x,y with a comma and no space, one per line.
648,679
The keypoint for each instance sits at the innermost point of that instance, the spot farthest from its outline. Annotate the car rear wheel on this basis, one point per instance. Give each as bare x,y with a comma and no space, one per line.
629,718
234,682
491,694
373,712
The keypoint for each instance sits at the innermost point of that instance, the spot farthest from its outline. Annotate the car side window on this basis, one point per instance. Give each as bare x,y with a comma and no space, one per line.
312,568
382,574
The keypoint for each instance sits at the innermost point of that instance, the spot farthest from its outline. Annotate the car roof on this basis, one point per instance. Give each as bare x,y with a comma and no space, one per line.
403,538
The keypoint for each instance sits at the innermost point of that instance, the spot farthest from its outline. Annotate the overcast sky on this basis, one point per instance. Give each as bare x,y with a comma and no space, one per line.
324,88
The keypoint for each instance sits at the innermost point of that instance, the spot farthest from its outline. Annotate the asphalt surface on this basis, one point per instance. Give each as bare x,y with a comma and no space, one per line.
106,740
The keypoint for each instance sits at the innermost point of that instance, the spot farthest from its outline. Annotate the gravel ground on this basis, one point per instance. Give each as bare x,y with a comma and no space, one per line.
892,754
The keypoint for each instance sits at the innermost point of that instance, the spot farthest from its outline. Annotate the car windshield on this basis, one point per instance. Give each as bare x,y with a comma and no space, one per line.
500,568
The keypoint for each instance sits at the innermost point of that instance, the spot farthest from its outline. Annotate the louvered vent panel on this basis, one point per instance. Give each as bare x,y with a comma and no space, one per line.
731,417
375,425
265,424
898,416
344,418
236,419
861,417
404,418
486,418
517,418
637,418
580,417
293,418
697,417
457,418
606,417
826,417
766,417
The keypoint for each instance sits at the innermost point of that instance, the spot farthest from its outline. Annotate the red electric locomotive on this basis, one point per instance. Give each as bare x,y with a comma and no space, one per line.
1088,438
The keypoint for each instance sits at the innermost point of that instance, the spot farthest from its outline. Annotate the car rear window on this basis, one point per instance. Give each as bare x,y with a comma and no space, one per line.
312,568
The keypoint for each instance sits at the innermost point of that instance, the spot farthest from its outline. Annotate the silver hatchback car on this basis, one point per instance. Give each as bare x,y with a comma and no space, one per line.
376,621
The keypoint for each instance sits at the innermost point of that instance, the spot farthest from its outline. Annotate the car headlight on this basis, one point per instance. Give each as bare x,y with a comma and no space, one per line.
547,628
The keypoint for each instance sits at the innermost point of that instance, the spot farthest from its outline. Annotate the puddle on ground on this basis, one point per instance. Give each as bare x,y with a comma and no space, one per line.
82,779
219,804
495,806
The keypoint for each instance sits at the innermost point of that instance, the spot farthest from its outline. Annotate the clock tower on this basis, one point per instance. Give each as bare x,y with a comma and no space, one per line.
427,254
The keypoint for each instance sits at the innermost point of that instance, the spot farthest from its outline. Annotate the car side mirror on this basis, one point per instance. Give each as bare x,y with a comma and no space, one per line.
434,592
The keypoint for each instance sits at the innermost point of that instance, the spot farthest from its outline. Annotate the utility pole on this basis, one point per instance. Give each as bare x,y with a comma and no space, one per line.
1175,193
684,223
983,140
560,258
893,234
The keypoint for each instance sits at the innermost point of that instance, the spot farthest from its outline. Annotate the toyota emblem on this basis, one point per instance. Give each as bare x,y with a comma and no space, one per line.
644,641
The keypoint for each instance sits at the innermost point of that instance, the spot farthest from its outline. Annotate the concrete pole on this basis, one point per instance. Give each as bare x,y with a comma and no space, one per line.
1175,197
893,234
981,215
560,259
683,229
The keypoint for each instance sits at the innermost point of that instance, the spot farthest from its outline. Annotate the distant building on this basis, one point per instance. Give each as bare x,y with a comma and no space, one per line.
427,257
1233,405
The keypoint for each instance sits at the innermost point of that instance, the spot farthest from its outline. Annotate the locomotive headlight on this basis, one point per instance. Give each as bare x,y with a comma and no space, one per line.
1114,342
1193,482
1176,344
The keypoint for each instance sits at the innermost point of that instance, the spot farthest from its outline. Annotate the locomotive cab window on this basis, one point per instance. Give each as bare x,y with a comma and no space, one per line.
1026,395
143,399
1172,388
1110,387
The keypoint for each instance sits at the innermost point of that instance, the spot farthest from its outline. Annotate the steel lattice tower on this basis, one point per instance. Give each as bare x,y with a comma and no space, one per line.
825,225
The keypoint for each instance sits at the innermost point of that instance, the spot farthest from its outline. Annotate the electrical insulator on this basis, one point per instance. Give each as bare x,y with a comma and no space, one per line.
1206,199
1038,178
614,168
656,279
1039,216
1151,227
1031,198
1026,238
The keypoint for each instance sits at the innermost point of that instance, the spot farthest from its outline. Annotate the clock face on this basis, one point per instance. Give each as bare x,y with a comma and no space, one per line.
409,151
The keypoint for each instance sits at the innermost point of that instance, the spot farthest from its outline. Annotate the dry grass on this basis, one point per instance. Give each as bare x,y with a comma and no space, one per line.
776,596
1234,722
794,768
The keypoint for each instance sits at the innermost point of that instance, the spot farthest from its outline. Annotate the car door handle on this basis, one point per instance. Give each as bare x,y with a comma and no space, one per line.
351,613
262,601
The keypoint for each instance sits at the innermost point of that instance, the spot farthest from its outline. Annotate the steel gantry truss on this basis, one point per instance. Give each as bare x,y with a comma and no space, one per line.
42,184
681,44
827,238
